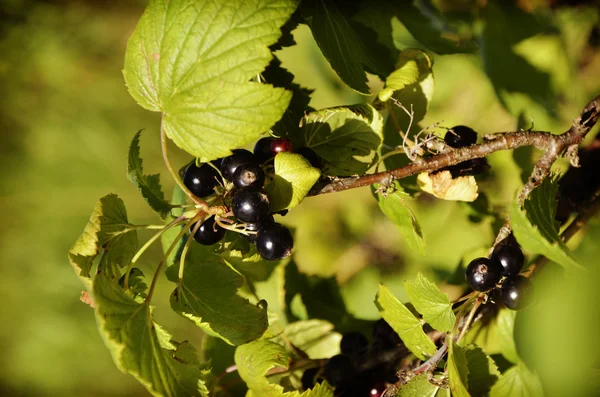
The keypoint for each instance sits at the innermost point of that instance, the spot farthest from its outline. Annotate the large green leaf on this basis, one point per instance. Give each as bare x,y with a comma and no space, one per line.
316,338
496,336
142,348
483,372
535,227
346,138
192,60
208,297
458,371
518,381
431,303
404,323
148,185
294,176
418,386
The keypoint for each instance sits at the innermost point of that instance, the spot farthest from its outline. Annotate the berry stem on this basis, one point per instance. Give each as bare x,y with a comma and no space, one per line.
186,248
478,301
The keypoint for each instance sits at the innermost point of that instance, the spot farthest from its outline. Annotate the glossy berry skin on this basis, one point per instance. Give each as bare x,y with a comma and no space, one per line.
460,136
354,344
377,389
312,156
482,274
230,163
339,369
281,145
384,335
249,176
254,227
200,180
263,149
509,258
515,291
274,242
251,206
209,232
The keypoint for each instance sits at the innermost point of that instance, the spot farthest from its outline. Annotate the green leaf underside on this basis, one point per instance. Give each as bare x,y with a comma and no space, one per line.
316,338
141,348
407,73
483,372
418,386
395,208
193,60
148,185
346,138
458,371
535,227
404,323
294,176
107,226
208,297
431,303
518,381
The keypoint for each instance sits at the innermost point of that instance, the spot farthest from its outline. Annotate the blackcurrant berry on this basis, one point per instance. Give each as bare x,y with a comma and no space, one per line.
281,145
249,205
200,180
509,258
309,378
339,369
460,136
312,156
482,274
230,163
209,232
469,167
515,291
249,176
384,335
354,344
263,149
254,227
377,389
274,242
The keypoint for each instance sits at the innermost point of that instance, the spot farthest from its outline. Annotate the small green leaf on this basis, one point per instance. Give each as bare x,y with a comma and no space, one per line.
404,323
316,338
483,372
208,297
395,208
255,359
294,176
458,371
418,386
408,71
431,303
148,185
193,61
535,227
518,381
346,138
141,348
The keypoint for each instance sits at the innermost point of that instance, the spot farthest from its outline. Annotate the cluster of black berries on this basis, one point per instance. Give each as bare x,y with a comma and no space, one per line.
506,261
249,202
461,136
361,369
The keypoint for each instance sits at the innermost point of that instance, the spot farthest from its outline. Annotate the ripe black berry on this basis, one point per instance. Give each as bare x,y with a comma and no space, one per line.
377,389
263,149
460,136
354,344
200,180
515,291
309,378
482,274
384,335
249,176
254,227
250,205
339,369
230,163
469,167
509,258
209,232
312,156
274,242
281,145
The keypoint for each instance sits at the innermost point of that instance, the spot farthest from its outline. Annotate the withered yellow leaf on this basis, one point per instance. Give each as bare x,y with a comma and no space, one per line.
441,185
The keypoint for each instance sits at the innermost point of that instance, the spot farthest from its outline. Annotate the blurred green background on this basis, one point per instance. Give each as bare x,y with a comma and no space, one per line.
66,121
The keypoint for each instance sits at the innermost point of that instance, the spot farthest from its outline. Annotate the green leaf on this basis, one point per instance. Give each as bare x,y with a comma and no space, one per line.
294,176
395,208
431,303
346,43
418,386
518,381
346,138
404,323
255,359
316,338
192,61
107,227
496,336
409,69
208,297
148,185
535,227
483,372
142,348
249,263
136,282
458,371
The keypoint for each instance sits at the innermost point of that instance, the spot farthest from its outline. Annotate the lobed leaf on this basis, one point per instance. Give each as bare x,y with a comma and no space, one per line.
316,338
443,186
418,386
483,372
458,371
431,303
518,381
497,336
193,61
408,71
408,327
